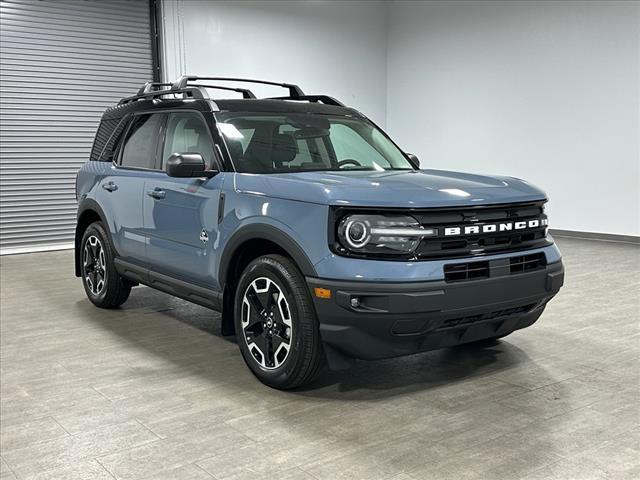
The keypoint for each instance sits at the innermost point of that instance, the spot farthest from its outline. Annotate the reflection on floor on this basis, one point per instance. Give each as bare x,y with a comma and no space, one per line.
152,391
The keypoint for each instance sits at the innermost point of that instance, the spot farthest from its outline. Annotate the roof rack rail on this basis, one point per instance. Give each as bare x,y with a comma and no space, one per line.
184,85
190,92
246,93
183,81
326,99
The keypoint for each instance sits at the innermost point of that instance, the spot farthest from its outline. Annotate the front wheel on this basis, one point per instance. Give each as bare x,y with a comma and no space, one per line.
276,324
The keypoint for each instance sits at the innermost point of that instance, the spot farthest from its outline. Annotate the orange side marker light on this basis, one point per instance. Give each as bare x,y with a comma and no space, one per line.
322,292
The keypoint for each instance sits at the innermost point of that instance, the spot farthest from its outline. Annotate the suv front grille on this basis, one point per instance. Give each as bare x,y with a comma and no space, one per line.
447,246
460,272
527,263
461,231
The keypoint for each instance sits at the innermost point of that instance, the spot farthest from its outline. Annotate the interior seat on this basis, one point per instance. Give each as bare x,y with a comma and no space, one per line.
284,150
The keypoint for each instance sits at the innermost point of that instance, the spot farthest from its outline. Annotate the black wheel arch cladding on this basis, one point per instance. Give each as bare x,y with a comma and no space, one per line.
268,233
234,246
89,211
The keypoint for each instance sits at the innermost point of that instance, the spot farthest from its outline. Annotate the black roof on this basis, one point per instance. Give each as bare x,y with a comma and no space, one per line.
282,106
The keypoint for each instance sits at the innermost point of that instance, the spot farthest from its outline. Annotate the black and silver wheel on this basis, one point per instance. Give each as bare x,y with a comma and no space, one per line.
266,323
94,265
276,325
102,283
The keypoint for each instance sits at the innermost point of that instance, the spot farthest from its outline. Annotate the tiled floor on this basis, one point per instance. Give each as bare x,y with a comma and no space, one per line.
152,391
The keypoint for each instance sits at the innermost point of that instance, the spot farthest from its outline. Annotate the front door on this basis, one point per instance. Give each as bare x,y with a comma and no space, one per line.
181,214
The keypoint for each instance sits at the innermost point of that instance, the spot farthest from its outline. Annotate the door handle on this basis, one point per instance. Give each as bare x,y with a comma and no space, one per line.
157,193
110,186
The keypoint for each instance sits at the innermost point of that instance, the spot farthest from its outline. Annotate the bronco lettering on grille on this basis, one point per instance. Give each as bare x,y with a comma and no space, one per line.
495,227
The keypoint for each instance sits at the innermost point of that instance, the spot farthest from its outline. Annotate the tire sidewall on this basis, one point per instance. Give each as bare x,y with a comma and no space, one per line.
275,271
97,231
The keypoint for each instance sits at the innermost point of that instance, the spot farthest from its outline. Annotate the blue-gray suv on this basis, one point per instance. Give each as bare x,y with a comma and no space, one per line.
314,234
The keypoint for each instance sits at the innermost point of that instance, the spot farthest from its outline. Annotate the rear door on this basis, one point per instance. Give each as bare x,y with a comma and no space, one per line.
181,214
122,188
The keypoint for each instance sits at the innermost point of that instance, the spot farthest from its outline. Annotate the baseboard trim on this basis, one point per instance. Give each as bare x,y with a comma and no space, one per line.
36,248
604,237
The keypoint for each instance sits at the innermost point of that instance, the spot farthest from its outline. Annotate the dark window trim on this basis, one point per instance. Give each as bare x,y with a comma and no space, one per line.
156,47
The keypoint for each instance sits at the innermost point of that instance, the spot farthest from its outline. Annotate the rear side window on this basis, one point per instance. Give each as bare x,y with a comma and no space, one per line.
140,145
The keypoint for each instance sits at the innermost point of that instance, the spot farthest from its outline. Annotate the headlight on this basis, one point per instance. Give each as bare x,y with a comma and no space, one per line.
387,234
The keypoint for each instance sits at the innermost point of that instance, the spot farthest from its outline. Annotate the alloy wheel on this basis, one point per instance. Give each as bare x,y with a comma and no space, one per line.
94,265
266,323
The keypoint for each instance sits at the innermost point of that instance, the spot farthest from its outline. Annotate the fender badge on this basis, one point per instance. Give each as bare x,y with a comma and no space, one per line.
204,236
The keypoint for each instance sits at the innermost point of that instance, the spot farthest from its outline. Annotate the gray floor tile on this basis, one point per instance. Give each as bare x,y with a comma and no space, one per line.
20,435
60,452
185,472
152,391
5,472
174,452
85,469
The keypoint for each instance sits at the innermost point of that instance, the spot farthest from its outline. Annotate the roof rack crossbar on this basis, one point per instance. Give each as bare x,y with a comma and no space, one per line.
326,99
246,93
190,92
182,82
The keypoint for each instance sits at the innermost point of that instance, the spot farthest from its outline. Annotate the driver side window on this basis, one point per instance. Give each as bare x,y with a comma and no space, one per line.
188,133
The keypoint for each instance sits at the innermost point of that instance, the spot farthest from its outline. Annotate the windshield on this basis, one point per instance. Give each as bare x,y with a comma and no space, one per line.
275,143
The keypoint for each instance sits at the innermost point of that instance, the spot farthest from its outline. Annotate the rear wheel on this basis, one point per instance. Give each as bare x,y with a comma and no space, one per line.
102,283
276,324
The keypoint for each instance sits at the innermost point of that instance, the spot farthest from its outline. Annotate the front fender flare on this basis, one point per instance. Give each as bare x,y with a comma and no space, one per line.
266,232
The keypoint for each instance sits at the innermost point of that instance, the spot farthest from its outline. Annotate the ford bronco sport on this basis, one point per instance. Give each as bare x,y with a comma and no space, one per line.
318,239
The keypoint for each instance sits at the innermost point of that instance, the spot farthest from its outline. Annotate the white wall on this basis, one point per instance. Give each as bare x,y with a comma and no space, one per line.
333,48
545,91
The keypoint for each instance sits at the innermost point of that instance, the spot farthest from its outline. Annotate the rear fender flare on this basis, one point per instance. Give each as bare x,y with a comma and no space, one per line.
87,205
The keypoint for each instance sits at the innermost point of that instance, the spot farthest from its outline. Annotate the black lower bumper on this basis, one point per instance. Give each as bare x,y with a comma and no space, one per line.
368,320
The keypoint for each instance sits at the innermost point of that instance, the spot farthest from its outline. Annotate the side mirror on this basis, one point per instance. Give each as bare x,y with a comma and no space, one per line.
187,165
414,160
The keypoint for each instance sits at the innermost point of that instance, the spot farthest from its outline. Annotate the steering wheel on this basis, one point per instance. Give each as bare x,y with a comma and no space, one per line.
349,161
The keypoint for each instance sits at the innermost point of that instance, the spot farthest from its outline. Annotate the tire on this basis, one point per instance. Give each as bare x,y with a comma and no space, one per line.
276,324
102,283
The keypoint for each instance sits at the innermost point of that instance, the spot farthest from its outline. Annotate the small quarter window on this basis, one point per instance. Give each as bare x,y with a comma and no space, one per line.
139,148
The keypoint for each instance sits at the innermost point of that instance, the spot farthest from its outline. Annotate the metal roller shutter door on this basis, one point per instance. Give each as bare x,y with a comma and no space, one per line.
62,63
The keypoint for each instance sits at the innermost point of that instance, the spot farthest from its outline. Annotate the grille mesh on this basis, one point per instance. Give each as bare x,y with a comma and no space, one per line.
444,246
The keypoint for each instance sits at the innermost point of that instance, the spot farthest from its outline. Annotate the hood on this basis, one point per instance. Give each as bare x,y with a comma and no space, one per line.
413,189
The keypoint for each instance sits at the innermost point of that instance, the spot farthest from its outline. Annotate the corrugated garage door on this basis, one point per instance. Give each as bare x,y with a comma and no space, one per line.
63,63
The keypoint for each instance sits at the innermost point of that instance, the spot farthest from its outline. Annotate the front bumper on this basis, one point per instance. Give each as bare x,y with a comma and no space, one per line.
372,320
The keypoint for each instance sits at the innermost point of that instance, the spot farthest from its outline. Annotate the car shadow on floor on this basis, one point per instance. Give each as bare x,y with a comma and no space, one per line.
421,371
148,313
